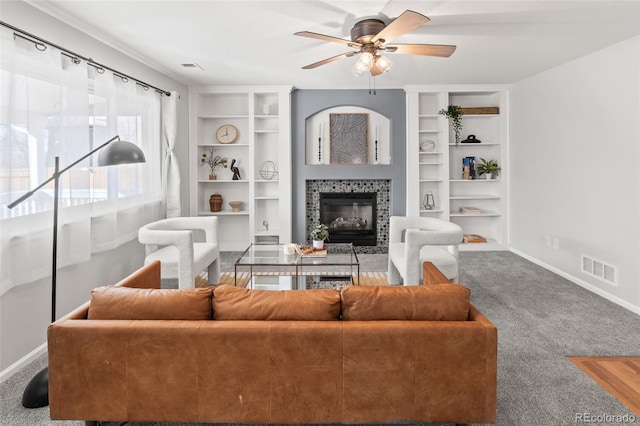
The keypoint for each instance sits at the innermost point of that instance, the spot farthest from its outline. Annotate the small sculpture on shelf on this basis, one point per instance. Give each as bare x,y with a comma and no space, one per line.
235,170
265,223
268,170
428,202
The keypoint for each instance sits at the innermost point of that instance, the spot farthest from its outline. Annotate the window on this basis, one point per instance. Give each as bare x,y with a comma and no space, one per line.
53,106
56,106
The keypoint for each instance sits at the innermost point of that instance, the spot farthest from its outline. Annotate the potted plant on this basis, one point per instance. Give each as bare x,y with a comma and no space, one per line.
488,168
213,160
453,113
319,234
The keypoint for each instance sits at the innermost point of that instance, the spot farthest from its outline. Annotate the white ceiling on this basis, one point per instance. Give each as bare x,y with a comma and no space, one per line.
240,42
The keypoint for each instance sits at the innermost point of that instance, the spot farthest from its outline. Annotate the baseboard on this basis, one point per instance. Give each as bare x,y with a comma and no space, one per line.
22,362
633,308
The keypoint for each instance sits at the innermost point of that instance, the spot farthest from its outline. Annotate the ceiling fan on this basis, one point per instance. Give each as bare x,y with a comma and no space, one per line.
370,37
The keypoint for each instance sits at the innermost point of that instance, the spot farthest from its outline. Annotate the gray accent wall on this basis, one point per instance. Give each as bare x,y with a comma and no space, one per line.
304,103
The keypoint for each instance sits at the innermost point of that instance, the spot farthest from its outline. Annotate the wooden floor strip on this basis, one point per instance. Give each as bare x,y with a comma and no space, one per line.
620,376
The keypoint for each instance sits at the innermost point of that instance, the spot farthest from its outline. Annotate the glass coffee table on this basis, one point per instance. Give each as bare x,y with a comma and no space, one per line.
266,266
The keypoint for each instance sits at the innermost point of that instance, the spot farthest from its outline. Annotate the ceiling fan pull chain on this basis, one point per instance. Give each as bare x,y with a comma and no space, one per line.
374,85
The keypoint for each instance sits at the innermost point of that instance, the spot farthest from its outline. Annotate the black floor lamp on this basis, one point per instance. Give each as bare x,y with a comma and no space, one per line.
36,394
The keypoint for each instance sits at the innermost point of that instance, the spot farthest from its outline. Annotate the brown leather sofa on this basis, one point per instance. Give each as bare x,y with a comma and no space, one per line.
234,355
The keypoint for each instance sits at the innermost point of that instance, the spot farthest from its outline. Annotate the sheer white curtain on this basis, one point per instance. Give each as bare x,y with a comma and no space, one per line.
54,105
171,170
133,191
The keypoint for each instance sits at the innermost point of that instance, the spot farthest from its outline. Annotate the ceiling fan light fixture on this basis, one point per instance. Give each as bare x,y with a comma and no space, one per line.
359,68
383,64
367,59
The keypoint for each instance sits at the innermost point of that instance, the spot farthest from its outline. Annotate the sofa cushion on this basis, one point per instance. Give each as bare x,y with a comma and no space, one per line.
112,302
440,302
237,303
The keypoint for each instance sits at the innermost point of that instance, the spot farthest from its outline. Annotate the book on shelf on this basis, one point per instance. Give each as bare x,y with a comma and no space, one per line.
469,168
473,238
470,210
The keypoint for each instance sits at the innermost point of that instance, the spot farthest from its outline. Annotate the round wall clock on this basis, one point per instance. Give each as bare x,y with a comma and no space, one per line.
227,133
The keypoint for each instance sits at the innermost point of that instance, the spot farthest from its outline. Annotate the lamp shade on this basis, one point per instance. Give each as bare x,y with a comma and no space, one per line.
120,152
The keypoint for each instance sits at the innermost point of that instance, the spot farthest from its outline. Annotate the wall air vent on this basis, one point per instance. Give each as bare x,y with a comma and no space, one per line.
193,65
599,269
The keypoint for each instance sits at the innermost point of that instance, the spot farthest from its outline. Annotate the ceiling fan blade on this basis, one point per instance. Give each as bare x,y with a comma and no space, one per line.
328,60
404,23
442,50
328,38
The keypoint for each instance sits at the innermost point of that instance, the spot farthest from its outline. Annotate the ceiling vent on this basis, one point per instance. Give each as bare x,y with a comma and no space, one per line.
599,269
193,65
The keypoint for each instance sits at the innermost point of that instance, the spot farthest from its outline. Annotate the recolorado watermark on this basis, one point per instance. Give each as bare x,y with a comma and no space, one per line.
605,418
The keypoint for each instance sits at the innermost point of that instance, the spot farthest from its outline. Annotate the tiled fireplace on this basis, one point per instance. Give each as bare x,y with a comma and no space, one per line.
353,217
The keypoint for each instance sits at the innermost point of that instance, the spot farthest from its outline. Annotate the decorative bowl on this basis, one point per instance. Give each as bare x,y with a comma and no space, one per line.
236,205
427,146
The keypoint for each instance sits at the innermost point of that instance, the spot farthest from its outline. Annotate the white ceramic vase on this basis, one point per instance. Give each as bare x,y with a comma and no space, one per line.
318,244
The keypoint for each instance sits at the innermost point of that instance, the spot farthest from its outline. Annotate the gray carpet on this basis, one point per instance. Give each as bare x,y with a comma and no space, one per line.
541,319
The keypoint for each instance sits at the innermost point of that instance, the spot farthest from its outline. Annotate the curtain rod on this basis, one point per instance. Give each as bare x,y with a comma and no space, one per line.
42,43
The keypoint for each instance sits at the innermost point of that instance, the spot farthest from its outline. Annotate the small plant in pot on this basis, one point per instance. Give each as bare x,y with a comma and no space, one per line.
488,168
213,160
319,234
453,113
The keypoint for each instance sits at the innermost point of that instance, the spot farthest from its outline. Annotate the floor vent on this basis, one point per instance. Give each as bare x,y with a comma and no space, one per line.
599,269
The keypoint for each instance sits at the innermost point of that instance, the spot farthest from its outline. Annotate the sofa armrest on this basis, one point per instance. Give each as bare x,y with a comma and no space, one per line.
146,277
432,275
491,356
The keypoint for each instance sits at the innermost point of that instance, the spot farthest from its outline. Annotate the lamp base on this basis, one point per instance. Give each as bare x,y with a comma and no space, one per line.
36,394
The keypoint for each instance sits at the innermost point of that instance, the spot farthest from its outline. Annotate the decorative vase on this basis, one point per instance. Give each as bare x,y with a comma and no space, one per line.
215,202
318,244
213,176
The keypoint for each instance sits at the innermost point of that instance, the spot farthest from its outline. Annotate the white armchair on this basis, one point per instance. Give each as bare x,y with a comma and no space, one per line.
171,241
414,240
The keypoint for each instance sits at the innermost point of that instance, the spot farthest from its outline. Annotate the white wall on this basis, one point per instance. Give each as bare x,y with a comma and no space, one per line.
575,175
25,310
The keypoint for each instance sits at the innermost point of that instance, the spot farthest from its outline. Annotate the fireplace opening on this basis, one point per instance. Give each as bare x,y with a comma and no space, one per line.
350,216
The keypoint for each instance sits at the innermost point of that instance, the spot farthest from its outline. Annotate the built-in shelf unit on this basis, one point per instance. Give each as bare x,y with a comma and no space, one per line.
435,161
263,146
